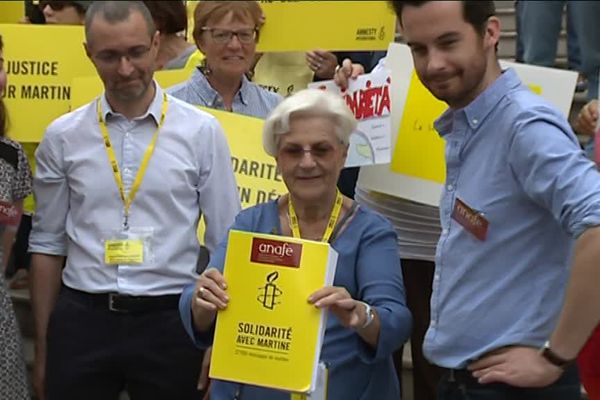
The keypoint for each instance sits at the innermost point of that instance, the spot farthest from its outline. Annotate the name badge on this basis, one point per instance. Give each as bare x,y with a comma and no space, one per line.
472,220
130,252
129,247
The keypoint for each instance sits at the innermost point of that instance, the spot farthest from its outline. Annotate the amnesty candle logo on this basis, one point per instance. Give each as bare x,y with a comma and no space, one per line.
275,252
269,293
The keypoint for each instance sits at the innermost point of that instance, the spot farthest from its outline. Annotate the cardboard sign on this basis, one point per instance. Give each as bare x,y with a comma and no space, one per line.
369,99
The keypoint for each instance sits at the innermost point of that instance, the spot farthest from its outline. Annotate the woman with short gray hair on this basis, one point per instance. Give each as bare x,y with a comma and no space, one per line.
368,319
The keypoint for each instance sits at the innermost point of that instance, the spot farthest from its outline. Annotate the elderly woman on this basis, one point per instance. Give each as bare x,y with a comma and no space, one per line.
308,136
226,33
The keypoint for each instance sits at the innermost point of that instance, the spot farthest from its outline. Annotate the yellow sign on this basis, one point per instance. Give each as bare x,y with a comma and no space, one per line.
283,73
419,150
41,61
328,25
11,12
255,171
270,335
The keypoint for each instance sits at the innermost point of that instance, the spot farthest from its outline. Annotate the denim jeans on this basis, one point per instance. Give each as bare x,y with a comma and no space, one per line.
587,13
566,388
539,25
538,29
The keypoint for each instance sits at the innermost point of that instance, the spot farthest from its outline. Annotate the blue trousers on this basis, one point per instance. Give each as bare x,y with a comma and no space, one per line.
539,24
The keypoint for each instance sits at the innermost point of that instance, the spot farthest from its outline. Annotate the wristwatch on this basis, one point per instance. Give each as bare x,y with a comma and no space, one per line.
553,358
370,315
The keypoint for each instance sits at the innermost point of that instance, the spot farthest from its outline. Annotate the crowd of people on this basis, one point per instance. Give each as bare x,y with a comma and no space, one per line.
497,294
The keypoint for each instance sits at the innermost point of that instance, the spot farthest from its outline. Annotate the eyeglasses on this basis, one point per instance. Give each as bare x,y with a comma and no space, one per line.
55,5
318,152
135,54
223,36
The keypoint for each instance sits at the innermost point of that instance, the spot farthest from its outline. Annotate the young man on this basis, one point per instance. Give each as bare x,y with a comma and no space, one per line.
120,186
519,197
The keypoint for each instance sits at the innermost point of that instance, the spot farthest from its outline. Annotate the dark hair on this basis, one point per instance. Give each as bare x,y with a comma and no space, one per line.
117,11
169,16
475,12
3,116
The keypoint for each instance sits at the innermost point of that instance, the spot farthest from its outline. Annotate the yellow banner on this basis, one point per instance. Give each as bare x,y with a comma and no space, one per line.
255,171
11,12
41,61
330,25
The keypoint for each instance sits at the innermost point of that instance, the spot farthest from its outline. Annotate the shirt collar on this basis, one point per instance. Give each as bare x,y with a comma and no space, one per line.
155,108
476,111
209,95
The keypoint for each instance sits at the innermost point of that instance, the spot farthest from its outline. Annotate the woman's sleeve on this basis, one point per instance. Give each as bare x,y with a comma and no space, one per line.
380,284
243,222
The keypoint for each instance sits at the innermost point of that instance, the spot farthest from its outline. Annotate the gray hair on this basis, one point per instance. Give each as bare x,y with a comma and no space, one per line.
308,102
117,11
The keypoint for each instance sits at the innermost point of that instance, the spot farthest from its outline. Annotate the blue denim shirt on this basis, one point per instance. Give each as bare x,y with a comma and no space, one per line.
251,99
512,157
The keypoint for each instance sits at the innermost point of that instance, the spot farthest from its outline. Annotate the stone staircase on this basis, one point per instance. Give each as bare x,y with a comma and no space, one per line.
506,50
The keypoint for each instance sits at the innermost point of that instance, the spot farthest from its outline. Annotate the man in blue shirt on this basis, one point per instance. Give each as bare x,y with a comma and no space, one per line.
519,197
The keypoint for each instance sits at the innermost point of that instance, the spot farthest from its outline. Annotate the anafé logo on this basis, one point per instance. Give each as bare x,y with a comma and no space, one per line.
276,252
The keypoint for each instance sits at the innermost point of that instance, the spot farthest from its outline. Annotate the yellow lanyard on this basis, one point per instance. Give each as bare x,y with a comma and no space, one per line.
110,152
335,213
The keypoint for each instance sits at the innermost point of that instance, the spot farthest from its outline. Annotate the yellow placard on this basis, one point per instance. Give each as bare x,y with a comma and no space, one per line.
11,12
419,150
328,25
417,136
41,61
268,325
283,73
255,171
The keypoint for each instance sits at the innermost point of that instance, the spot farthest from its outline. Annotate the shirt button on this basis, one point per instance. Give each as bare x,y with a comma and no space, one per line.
450,188
475,121
432,323
436,277
126,170
444,231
